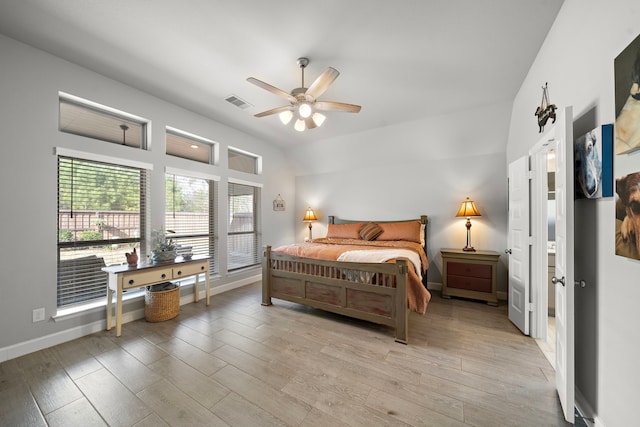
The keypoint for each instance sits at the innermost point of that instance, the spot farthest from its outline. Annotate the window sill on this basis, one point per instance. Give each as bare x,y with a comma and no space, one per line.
101,304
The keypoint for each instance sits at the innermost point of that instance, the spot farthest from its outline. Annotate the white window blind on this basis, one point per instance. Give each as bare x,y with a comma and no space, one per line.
243,235
100,218
190,215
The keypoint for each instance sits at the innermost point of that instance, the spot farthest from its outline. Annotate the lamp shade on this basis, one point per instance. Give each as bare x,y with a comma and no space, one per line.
285,117
468,209
309,216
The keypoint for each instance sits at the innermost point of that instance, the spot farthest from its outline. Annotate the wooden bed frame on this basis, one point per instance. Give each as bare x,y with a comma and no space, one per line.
349,288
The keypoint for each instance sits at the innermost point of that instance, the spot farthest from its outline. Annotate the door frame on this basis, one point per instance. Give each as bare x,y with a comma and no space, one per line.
540,235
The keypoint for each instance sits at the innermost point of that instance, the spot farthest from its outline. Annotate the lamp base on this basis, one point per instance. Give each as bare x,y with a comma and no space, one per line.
469,249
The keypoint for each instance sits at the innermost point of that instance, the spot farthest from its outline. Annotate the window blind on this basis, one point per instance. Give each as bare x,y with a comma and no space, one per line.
100,218
190,215
243,240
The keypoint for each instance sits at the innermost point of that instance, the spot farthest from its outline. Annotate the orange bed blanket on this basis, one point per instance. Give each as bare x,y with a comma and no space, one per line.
418,296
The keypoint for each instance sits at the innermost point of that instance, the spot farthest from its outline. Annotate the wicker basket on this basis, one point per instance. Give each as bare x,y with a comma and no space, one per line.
161,305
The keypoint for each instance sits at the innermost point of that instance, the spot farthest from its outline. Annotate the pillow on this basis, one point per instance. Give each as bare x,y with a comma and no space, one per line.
408,230
370,231
344,231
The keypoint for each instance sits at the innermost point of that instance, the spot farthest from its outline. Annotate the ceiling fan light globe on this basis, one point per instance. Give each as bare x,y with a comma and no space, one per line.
299,126
318,119
304,110
285,117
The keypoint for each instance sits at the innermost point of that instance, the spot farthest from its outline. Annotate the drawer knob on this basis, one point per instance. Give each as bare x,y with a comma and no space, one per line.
202,267
163,276
179,273
131,281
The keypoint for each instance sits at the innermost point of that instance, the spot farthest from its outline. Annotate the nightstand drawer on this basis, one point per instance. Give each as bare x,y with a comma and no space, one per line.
469,283
469,270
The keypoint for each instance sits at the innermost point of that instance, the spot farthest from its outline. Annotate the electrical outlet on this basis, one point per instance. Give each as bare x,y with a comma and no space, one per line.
38,315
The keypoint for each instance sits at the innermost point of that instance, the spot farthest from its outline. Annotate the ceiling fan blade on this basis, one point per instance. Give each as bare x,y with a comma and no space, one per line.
337,106
272,89
321,84
273,111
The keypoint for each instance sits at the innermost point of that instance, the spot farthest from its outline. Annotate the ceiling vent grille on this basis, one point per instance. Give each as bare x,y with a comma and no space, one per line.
238,102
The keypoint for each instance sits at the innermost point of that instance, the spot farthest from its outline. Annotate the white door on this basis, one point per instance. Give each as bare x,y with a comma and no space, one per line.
564,283
518,243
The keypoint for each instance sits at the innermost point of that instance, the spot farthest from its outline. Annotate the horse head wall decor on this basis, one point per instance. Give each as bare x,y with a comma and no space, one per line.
546,110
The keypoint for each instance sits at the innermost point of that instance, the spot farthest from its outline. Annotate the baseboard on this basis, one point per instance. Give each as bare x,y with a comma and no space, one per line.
586,411
502,295
434,286
40,343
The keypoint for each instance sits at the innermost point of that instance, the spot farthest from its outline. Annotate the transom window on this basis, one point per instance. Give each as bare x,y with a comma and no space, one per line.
192,147
86,118
243,161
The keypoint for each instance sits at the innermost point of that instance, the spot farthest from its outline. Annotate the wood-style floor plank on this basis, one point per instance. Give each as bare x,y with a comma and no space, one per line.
239,363
78,413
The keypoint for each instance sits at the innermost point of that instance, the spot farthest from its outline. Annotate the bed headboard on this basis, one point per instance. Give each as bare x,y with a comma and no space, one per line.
424,220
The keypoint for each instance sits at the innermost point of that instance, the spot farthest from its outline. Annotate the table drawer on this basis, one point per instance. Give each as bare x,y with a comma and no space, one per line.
469,269
188,270
469,283
147,277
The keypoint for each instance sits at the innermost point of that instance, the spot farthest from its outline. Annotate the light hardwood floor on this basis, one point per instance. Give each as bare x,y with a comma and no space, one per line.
240,364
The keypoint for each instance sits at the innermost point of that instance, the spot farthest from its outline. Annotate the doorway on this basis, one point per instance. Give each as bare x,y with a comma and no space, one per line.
546,339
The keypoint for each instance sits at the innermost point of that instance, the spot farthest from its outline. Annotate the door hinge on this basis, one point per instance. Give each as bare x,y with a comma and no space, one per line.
530,174
532,240
530,306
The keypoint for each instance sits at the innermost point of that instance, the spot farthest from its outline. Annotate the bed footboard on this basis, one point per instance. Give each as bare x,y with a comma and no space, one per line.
373,292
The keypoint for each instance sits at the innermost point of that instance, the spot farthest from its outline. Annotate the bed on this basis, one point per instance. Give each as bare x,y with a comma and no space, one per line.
379,279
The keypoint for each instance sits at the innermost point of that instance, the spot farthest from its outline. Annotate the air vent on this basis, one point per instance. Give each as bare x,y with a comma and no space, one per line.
240,103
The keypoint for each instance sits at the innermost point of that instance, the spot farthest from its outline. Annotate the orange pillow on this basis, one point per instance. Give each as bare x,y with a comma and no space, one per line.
409,231
344,231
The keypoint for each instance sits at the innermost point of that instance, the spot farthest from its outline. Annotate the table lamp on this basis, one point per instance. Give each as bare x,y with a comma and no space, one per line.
309,216
468,209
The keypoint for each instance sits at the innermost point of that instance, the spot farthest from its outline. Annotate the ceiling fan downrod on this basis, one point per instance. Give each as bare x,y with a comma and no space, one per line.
302,63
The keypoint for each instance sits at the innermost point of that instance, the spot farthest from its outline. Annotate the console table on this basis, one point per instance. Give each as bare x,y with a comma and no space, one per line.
123,277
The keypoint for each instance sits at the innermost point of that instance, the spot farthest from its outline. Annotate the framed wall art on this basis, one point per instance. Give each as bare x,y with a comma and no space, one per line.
627,149
593,154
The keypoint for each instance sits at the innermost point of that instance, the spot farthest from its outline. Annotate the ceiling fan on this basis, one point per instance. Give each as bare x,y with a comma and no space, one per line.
303,102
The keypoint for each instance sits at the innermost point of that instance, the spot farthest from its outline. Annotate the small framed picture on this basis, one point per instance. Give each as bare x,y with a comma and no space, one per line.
278,203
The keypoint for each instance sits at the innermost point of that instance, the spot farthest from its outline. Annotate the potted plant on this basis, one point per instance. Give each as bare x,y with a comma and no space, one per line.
163,247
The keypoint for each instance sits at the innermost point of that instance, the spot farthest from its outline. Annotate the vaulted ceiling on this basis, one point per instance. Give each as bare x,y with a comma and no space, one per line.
399,60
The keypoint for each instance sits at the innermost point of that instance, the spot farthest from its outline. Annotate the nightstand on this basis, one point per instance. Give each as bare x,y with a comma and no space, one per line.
470,274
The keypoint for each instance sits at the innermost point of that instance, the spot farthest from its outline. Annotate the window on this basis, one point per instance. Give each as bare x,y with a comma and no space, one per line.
243,234
101,213
188,146
85,118
190,215
244,161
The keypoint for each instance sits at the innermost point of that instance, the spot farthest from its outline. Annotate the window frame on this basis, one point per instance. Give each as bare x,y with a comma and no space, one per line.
139,241
213,181
256,232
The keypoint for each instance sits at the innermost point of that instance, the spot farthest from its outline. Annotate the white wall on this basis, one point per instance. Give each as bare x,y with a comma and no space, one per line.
420,167
577,62
29,83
